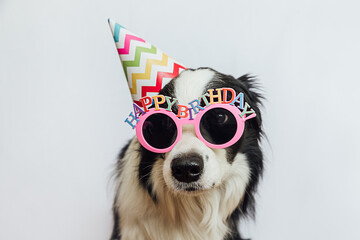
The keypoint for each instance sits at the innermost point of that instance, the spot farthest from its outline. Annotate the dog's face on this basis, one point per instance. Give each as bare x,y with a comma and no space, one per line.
191,167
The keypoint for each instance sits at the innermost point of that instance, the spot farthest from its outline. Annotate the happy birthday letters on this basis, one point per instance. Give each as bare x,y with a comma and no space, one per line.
213,96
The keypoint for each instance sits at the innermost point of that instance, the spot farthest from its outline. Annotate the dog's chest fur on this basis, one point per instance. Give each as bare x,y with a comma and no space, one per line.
174,216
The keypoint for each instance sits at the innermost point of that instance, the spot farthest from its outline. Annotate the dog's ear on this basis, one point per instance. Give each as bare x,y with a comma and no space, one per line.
249,86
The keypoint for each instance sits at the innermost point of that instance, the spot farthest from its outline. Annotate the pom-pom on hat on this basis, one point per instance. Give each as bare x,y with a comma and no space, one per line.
147,68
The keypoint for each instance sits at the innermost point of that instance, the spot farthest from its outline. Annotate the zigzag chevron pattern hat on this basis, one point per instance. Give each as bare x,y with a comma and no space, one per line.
147,68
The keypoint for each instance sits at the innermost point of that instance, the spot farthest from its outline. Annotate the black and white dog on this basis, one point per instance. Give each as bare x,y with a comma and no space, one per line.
152,202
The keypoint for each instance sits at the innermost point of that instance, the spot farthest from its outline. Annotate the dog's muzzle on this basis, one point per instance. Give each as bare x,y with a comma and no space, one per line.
187,168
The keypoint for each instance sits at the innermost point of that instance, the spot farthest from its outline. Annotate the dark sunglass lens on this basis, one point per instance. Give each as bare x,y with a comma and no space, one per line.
218,126
159,131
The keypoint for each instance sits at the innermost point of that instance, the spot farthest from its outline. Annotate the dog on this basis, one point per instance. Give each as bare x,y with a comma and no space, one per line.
155,201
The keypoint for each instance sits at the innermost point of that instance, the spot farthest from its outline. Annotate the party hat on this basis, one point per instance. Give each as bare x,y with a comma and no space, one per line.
147,68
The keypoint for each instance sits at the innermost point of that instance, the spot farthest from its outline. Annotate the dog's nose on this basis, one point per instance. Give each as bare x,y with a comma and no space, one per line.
187,168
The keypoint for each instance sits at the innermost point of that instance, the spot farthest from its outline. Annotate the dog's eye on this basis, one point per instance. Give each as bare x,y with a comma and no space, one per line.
159,131
218,117
221,118
218,126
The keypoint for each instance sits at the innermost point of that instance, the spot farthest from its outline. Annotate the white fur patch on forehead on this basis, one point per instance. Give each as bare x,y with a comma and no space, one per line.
191,84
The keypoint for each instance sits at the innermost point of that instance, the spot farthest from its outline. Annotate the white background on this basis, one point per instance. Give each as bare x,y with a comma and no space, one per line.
63,99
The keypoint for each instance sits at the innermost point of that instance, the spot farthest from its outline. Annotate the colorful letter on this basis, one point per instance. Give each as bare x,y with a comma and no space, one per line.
133,118
212,96
246,111
190,113
145,101
169,103
137,111
197,106
203,97
233,94
183,109
157,102
240,100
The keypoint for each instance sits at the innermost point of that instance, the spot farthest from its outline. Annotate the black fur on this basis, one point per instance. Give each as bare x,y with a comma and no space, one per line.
146,164
248,144
116,234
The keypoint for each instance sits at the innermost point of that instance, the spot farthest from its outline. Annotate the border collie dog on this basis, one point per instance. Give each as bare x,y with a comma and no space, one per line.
152,202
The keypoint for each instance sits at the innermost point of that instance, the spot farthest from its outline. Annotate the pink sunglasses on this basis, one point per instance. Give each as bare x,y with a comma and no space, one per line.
218,126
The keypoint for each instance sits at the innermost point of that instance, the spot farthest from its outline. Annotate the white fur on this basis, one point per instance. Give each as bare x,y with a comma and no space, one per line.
178,215
190,84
